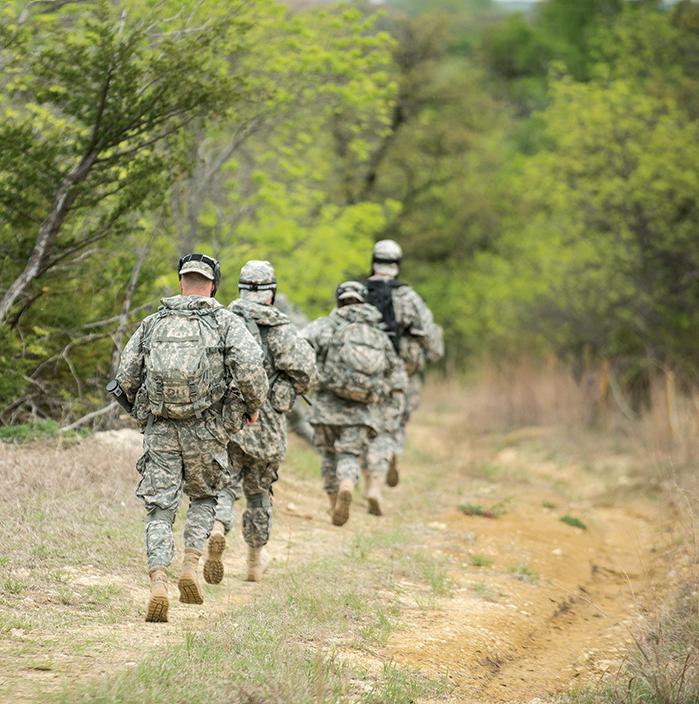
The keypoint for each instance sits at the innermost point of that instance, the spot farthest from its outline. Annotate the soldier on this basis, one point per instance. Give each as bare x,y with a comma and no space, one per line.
412,330
192,371
296,419
358,371
256,452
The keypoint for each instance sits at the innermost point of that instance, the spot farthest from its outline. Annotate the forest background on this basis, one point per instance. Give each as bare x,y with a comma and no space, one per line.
538,162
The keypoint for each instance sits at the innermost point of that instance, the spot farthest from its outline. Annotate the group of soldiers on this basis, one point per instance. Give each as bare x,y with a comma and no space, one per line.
212,388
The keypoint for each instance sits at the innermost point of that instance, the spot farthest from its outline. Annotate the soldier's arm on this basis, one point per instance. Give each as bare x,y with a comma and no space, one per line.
313,333
130,372
294,356
244,362
422,324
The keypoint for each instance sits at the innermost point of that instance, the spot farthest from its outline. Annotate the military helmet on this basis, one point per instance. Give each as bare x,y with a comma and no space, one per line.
351,289
257,275
202,264
387,252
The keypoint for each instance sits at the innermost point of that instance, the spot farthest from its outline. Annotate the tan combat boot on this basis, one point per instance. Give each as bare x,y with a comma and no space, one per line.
373,495
213,566
342,506
332,499
392,474
190,589
258,559
156,611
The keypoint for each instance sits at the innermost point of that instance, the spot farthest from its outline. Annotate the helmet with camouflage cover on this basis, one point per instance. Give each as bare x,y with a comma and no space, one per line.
387,252
257,279
351,291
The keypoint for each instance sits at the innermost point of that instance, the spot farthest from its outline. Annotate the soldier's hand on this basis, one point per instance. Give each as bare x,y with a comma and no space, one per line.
251,420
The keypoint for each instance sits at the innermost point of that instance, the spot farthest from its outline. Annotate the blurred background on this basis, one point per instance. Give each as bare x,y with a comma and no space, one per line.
537,161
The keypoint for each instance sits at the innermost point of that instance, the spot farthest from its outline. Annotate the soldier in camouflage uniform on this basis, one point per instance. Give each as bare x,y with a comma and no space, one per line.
256,452
296,419
415,335
346,418
192,371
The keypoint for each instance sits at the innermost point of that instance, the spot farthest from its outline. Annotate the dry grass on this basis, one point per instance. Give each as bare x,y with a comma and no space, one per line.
527,398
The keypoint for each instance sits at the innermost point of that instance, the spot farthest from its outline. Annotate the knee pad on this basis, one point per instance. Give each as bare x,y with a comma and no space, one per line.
161,514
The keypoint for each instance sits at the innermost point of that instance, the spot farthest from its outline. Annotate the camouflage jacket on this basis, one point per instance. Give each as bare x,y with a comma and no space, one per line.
330,409
290,365
245,378
421,338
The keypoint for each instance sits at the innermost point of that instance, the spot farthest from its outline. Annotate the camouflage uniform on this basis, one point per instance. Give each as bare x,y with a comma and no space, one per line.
343,428
256,452
189,455
420,338
296,419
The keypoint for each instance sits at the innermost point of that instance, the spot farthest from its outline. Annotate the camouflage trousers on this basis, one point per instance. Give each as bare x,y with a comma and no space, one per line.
180,456
252,477
298,423
344,452
379,453
412,401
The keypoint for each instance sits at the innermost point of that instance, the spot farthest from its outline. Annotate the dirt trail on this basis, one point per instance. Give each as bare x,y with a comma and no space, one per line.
548,605
557,603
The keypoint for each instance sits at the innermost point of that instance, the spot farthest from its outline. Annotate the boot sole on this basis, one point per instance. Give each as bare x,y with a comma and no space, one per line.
392,477
213,567
374,507
342,508
157,609
189,591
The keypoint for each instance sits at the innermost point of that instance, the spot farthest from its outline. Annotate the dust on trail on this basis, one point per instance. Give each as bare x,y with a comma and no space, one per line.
554,606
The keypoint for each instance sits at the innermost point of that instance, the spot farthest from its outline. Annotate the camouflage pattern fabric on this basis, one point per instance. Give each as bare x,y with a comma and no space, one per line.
242,358
379,453
290,366
296,419
253,478
256,451
344,451
190,456
330,409
297,422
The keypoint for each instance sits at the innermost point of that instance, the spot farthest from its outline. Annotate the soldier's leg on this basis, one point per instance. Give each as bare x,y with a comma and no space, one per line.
350,448
223,522
205,460
297,423
160,488
324,440
379,454
258,478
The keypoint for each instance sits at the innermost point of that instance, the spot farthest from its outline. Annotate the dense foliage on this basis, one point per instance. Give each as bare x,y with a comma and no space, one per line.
539,169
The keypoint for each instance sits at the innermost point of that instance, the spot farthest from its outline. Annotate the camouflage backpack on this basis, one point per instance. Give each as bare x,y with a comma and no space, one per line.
184,363
355,363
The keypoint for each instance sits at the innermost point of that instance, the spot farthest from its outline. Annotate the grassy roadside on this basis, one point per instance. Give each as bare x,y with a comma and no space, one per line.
72,587
310,635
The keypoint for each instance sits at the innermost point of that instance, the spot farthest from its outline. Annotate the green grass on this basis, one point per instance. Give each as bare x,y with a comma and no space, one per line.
524,573
484,591
38,430
272,649
573,521
480,561
494,511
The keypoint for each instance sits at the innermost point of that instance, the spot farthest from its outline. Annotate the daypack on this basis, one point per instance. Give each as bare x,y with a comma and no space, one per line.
184,363
380,295
281,392
355,363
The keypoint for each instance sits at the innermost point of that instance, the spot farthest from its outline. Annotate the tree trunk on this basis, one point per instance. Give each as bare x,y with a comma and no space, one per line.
48,231
125,308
